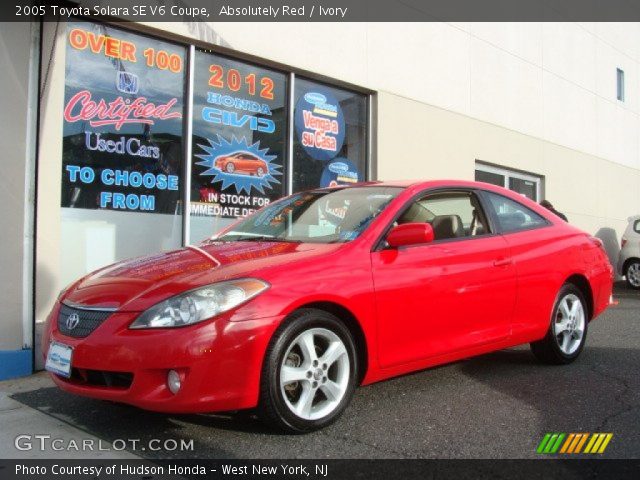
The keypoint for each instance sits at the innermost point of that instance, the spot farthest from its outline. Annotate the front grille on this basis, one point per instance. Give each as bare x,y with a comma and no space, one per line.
88,321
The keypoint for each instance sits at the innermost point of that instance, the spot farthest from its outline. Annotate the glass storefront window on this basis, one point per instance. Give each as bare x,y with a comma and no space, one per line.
490,177
529,185
122,162
122,146
330,136
528,188
239,141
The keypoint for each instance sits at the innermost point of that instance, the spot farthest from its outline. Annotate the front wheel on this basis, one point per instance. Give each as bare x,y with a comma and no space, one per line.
309,373
632,274
567,332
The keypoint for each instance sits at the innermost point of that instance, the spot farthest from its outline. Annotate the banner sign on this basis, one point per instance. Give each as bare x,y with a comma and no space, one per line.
122,134
340,171
239,129
330,136
319,123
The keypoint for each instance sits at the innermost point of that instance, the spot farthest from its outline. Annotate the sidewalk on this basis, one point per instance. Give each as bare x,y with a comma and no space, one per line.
17,419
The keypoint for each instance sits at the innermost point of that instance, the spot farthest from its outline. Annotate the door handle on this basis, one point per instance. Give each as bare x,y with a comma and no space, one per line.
502,262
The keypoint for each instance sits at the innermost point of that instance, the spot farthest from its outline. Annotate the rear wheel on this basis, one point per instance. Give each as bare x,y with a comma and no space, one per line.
567,332
309,373
633,274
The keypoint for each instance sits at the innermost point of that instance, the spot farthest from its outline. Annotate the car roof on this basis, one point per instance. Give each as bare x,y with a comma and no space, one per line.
415,186
423,184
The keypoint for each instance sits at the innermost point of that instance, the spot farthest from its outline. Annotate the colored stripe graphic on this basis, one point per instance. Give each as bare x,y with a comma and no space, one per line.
551,443
592,441
606,441
572,443
543,443
567,443
581,443
556,445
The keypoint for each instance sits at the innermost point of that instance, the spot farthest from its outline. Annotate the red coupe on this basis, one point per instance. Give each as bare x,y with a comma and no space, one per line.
242,163
291,308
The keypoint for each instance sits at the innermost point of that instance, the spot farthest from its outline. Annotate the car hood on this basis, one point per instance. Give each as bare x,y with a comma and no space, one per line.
137,284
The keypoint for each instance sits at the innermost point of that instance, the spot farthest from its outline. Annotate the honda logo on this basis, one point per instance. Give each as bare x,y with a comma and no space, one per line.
127,82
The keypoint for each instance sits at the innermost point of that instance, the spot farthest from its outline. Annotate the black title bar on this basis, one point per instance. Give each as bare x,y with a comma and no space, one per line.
292,469
325,10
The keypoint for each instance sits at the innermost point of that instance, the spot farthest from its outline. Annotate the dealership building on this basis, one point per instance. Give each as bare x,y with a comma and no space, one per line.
127,140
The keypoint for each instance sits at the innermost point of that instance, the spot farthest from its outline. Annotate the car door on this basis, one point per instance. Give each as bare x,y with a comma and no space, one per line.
248,164
455,292
542,258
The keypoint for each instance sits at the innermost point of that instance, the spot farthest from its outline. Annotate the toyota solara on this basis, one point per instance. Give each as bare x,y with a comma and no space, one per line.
288,310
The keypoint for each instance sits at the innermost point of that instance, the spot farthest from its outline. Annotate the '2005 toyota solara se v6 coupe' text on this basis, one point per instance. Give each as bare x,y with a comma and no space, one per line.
291,308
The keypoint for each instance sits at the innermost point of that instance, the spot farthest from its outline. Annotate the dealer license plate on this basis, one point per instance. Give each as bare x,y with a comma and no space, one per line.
59,359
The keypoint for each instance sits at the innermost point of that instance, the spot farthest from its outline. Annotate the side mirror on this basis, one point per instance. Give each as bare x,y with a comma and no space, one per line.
410,234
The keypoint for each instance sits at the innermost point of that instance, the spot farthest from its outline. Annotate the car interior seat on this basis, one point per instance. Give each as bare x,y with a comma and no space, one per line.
447,226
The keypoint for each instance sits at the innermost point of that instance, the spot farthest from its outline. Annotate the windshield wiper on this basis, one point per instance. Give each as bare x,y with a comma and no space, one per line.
248,238
258,238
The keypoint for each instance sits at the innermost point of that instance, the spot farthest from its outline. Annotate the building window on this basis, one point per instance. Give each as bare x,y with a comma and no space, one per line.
526,184
330,136
165,144
122,147
620,84
239,141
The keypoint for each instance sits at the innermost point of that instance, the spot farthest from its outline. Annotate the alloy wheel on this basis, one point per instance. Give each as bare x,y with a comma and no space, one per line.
569,324
314,374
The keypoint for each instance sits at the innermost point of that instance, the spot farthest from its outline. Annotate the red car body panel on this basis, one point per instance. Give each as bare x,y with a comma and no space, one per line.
410,307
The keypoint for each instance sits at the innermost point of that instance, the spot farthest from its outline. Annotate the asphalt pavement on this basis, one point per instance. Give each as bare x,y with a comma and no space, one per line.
498,405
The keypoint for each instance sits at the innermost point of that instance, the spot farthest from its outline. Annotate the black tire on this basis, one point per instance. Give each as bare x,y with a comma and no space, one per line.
548,350
273,408
632,280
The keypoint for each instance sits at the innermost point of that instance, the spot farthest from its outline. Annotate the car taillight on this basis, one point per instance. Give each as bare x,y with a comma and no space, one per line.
623,242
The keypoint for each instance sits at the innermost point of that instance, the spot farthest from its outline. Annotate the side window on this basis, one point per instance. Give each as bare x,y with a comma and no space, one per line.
636,226
452,215
513,216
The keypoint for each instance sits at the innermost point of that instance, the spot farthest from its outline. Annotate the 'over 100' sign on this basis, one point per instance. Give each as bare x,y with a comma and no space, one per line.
122,144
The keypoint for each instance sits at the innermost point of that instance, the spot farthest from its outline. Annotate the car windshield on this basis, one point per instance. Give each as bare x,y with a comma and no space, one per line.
323,216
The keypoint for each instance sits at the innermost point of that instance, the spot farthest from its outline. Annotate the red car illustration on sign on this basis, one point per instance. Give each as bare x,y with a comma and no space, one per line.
291,308
242,163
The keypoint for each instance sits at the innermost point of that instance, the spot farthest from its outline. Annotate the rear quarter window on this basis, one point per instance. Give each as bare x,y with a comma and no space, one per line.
636,226
512,216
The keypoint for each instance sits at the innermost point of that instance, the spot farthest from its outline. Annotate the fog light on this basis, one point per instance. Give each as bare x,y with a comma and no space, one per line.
173,381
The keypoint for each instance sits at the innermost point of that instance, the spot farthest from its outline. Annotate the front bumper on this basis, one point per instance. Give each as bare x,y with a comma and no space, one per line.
219,362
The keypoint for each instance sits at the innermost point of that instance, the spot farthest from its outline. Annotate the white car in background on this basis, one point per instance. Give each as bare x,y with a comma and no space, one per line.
629,259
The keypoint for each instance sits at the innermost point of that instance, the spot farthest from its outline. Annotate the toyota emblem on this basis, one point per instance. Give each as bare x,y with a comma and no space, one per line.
72,321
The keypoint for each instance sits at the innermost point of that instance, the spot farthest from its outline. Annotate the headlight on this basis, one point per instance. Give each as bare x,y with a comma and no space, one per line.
200,304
